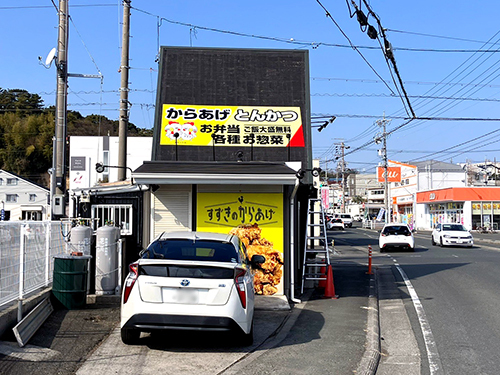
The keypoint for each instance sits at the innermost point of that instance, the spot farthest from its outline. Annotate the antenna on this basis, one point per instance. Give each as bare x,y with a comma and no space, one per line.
48,60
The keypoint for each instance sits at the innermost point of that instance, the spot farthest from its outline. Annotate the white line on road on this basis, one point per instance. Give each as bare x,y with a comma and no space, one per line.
435,366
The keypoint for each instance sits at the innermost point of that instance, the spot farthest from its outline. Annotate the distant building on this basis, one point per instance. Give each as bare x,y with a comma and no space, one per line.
22,199
86,151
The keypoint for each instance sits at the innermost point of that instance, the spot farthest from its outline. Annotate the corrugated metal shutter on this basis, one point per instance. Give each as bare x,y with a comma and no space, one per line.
172,211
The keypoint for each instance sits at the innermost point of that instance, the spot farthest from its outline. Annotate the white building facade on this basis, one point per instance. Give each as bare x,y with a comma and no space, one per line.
86,151
22,199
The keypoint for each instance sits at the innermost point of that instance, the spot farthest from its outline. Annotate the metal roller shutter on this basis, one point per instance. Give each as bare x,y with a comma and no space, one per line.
172,210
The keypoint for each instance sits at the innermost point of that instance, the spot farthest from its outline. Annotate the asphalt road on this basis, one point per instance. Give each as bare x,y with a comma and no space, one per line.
458,289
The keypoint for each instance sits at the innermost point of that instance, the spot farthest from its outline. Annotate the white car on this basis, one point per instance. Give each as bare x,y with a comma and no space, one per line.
396,235
337,223
451,234
190,281
347,219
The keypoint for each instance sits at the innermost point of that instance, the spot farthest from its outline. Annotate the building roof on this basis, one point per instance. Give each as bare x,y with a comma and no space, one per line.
437,166
216,172
25,180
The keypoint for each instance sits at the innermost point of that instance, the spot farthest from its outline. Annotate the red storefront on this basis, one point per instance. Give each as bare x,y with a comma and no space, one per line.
471,206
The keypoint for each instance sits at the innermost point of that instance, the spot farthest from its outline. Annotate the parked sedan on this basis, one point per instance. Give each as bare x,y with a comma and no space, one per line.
190,281
396,235
451,234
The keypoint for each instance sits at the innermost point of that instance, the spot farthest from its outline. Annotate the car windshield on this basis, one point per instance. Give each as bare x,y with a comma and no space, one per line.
345,216
396,230
204,250
458,227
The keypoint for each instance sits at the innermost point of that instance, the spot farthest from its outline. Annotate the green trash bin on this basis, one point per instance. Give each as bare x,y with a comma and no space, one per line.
69,284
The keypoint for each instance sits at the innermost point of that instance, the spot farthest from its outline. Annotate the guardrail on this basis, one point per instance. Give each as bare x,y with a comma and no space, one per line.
27,249
373,224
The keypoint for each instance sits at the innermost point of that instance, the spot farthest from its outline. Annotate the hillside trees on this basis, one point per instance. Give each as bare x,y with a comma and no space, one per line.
27,129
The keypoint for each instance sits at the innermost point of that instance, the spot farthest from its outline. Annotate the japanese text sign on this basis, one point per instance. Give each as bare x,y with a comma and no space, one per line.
195,125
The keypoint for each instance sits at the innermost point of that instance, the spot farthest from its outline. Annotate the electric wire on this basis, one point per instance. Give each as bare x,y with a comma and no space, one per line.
351,44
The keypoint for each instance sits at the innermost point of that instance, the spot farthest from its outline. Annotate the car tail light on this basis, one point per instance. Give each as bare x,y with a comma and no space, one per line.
239,276
408,234
383,234
131,279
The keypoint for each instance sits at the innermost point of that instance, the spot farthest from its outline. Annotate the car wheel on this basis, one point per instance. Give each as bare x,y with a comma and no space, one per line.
432,241
441,241
382,249
411,249
130,336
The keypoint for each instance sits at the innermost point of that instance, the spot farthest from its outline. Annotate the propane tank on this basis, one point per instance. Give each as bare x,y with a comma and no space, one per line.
80,239
106,274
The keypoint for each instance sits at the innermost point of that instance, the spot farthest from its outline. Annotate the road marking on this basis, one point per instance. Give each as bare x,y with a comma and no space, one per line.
435,366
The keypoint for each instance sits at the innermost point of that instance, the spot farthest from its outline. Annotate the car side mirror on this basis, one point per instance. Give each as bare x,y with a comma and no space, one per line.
257,260
142,252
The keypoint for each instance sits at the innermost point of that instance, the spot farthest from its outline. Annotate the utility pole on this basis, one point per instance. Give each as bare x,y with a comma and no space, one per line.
57,200
383,137
343,147
124,68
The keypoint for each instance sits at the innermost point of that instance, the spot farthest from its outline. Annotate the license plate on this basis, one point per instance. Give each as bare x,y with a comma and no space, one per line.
181,295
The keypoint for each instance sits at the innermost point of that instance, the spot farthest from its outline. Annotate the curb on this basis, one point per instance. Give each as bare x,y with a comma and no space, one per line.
8,315
369,362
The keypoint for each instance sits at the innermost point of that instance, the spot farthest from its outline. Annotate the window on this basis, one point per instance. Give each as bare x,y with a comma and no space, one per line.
32,215
32,197
12,181
12,198
1,181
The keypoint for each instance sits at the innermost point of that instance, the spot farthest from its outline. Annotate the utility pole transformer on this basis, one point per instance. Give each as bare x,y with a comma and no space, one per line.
124,70
58,206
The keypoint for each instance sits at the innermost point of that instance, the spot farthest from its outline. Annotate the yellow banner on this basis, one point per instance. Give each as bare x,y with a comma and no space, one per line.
196,125
257,219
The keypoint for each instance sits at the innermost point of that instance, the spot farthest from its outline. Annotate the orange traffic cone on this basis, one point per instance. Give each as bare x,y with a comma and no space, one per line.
330,288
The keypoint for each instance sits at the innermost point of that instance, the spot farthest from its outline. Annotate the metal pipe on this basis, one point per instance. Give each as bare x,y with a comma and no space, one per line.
292,243
21,274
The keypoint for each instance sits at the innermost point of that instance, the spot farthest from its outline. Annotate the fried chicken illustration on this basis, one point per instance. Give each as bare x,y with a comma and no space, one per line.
269,275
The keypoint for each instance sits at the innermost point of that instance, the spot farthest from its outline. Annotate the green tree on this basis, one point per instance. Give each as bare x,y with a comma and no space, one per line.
20,101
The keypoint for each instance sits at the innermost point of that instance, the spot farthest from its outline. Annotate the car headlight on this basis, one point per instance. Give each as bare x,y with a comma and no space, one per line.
446,236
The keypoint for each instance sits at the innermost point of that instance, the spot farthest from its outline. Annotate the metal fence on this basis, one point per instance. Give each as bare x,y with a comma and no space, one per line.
27,250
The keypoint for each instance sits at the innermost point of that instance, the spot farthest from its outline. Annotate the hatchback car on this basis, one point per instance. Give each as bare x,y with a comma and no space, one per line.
347,219
451,234
396,235
190,281
337,224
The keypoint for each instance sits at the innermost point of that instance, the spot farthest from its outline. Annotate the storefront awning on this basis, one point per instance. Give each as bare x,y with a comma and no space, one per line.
459,194
248,173
34,207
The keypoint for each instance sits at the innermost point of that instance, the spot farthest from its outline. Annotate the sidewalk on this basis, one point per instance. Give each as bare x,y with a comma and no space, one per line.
316,336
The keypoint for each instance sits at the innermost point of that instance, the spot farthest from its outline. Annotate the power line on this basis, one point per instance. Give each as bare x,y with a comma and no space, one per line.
437,36
362,80
351,44
48,6
384,95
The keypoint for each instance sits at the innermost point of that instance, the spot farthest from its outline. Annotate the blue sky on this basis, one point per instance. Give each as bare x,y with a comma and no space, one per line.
342,83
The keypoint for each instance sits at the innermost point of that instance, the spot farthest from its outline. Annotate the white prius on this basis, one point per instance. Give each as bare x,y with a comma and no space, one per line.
190,281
